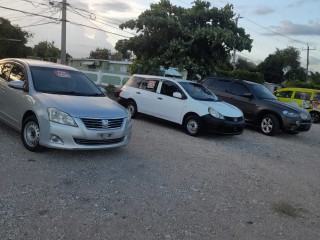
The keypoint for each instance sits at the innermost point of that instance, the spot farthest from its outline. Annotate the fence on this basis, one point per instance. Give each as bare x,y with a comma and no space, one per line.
106,79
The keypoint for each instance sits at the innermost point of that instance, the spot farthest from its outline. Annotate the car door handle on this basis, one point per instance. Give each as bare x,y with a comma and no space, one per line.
2,88
160,98
138,92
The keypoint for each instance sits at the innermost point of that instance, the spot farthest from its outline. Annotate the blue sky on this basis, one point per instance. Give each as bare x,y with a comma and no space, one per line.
271,24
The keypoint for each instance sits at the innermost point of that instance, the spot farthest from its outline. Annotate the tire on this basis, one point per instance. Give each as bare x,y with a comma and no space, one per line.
192,125
30,134
315,116
132,108
269,125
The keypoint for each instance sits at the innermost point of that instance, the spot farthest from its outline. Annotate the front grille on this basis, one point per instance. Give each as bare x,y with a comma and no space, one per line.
92,123
98,142
234,119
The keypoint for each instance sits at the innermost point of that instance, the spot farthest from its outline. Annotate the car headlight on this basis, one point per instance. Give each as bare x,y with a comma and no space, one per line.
305,116
215,113
58,116
290,114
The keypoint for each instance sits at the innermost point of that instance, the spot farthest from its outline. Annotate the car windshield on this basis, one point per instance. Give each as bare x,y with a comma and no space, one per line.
199,92
64,82
262,92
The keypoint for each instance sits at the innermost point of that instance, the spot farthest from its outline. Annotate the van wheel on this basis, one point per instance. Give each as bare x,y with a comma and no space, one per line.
30,134
269,124
132,108
192,125
315,117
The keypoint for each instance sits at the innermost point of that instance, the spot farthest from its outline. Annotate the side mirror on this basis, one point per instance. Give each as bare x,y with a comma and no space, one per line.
177,95
17,85
248,95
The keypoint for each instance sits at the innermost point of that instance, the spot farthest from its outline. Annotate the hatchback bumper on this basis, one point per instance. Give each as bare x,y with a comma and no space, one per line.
228,126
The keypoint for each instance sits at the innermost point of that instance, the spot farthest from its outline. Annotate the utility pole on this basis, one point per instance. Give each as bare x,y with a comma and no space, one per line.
234,48
308,49
63,31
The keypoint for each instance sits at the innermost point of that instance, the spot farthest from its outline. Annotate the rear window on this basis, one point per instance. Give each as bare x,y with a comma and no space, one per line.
135,81
302,95
219,84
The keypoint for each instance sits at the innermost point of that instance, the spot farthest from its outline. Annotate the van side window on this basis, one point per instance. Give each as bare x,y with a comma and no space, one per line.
302,95
316,96
168,88
149,85
239,89
285,94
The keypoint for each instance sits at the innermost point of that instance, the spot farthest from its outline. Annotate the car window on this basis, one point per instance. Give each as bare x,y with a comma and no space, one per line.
149,85
17,74
5,70
199,92
168,88
262,92
65,82
220,85
285,94
134,81
316,96
239,89
302,95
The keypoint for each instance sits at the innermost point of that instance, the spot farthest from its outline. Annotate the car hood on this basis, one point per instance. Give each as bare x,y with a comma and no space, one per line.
286,106
83,106
224,108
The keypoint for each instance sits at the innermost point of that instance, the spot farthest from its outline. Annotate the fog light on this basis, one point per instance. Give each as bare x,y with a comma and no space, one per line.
56,139
298,123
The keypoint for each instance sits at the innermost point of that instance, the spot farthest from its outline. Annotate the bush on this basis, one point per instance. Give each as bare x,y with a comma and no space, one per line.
299,84
242,74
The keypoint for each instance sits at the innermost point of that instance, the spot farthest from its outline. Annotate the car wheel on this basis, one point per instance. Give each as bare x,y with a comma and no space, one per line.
315,117
192,125
132,108
30,134
269,124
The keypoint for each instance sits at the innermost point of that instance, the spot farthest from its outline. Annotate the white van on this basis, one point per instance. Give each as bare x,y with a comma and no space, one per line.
180,101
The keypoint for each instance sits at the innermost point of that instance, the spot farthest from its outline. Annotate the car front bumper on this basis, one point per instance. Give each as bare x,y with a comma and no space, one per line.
55,135
228,126
296,124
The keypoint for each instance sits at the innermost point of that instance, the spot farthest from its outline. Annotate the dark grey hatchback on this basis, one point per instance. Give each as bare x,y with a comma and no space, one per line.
259,106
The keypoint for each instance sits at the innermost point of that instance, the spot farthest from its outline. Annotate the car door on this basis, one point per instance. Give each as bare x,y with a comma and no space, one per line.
5,69
240,98
167,106
146,96
15,100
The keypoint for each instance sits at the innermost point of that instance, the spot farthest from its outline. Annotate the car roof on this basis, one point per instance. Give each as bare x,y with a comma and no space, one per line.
162,77
233,79
39,63
297,89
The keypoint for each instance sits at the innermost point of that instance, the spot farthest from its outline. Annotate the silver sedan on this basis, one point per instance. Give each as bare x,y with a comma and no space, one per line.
57,106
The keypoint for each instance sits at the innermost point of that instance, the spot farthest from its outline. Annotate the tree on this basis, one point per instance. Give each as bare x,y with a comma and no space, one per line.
196,39
13,40
282,65
47,51
102,53
243,64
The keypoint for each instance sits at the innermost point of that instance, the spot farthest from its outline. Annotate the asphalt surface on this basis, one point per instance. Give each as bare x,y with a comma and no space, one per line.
164,185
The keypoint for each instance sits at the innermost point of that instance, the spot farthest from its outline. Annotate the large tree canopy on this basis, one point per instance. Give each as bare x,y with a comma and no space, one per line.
282,65
196,39
100,53
13,40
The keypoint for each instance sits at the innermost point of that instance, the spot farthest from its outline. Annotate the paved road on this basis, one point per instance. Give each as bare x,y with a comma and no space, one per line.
164,185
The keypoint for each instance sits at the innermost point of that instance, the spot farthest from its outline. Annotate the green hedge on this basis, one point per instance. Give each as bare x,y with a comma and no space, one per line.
300,84
242,74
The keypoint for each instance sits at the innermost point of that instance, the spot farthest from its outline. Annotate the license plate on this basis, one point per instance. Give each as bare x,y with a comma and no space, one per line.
105,135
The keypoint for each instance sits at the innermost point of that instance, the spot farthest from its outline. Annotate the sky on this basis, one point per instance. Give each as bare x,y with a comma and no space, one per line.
272,24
